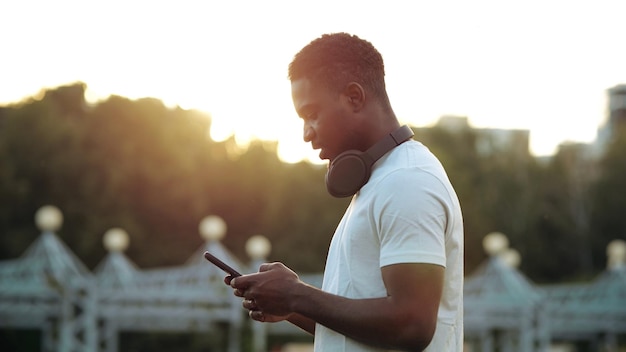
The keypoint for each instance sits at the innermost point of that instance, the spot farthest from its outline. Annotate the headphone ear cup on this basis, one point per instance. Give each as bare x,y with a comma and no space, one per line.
347,173
350,170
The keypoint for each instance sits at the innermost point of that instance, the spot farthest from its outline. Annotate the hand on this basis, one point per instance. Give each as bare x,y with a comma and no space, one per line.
268,293
256,314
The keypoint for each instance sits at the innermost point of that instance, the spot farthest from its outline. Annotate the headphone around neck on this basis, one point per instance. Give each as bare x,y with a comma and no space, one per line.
351,170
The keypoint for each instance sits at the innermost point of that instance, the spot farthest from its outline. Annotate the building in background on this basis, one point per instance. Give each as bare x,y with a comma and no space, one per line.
615,116
489,141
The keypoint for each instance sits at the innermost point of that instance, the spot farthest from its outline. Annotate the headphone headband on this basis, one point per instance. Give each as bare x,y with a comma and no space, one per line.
398,137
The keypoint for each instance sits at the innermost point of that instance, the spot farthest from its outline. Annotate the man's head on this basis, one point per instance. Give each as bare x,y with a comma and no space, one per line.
334,60
338,89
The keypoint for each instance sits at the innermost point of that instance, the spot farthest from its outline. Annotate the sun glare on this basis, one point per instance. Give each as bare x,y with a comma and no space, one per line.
232,64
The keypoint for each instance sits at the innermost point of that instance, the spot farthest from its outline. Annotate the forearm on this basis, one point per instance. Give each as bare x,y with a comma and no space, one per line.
377,322
302,322
403,320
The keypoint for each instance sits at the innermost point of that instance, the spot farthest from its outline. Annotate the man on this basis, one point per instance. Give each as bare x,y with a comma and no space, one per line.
394,271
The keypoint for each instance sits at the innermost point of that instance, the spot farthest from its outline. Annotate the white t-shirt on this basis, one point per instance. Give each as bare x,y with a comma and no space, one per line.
408,212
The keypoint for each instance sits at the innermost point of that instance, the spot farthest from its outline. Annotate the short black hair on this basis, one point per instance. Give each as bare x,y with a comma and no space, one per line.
336,59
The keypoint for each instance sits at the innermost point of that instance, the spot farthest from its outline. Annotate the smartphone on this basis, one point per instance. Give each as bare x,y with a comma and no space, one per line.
220,264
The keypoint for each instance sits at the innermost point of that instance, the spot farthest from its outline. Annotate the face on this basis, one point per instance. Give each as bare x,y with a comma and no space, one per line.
326,118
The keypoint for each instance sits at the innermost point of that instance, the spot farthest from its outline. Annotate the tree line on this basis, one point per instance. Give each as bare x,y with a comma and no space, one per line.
155,171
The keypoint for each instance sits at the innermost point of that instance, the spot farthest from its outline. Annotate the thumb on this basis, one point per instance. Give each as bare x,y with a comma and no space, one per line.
268,266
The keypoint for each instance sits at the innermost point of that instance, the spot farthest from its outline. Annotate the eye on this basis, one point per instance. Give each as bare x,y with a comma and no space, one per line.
311,115
309,112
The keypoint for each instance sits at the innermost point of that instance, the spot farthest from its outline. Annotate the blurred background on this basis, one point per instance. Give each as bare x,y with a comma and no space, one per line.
155,172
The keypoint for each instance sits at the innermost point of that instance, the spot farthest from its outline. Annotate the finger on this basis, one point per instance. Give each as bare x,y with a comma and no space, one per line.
239,293
249,304
256,315
241,282
266,267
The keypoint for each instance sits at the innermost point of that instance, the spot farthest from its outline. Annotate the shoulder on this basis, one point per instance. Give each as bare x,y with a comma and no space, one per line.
408,169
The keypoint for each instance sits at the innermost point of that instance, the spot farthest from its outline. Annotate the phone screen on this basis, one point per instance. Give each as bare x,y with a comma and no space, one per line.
220,264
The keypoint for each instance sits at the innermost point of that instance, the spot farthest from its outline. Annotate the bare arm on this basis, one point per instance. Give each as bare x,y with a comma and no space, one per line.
302,322
405,319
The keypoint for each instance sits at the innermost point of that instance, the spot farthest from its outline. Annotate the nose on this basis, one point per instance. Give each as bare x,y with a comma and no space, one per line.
308,133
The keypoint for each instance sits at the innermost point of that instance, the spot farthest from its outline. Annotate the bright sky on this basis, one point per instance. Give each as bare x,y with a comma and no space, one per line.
542,65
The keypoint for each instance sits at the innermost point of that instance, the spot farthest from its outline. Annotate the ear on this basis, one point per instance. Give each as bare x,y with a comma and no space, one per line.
355,96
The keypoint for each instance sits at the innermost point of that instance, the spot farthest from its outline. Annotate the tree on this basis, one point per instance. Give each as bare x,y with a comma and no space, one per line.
154,171
608,200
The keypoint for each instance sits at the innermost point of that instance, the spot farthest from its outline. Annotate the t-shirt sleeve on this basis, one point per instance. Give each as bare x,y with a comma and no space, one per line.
411,218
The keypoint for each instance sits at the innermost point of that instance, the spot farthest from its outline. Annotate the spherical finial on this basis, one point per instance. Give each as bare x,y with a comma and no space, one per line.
511,257
258,247
49,218
495,243
212,228
616,252
115,240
